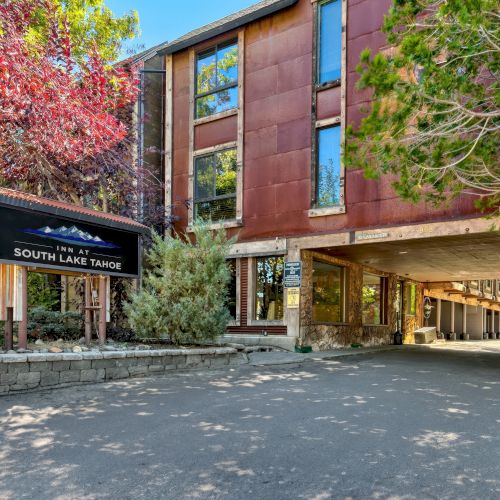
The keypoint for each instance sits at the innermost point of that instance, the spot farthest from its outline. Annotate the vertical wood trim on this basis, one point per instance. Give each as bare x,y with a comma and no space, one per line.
238,292
244,291
250,290
169,134
314,142
191,136
102,309
343,104
240,139
22,332
343,92
88,311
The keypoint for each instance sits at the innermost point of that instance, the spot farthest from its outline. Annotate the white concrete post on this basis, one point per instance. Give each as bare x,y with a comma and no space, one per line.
453,335
464,322
438,315
485,326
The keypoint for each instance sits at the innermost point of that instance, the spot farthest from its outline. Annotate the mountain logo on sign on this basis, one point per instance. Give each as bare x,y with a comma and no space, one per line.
72,235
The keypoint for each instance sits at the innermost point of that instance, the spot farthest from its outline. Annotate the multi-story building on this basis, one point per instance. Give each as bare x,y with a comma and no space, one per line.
256,108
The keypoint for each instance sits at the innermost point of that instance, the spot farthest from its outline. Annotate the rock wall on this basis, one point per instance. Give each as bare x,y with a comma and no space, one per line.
334,336
28,372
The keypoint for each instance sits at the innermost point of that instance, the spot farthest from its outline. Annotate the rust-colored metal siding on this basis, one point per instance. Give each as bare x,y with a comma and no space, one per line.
278,113
215,133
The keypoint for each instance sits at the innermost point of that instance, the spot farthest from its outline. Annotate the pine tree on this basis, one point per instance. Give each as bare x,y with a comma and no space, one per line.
185,289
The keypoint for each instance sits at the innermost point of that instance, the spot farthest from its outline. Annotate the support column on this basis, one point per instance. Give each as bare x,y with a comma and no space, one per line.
88,311
102,310
438,316
22,333
9,329
293,315
453,335
492,325
485,325
496,329
464,322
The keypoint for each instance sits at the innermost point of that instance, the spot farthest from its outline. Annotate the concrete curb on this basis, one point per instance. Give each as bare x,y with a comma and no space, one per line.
291,358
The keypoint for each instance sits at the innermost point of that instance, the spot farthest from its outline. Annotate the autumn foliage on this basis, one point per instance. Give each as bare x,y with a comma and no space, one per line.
57,115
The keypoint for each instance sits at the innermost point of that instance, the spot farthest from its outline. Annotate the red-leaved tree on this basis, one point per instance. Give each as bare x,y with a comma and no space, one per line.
61,134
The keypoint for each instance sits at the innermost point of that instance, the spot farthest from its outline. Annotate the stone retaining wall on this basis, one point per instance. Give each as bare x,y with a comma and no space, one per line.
34,371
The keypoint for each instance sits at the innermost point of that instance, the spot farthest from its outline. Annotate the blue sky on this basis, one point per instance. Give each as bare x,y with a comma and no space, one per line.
162,20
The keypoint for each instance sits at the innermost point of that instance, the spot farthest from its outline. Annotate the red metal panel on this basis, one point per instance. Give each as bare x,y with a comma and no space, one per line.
216,132
328,103
366,17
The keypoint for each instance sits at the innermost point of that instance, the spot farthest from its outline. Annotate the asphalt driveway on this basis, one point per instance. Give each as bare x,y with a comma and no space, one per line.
399,424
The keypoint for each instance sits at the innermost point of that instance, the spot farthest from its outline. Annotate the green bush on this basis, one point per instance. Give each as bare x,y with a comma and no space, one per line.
46,324
184,295
42,291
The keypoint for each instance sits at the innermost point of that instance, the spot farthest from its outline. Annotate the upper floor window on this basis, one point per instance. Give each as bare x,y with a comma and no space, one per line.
328,168
217,79
329,41
215,186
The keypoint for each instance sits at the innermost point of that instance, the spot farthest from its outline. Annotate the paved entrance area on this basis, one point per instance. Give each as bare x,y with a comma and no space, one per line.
407,424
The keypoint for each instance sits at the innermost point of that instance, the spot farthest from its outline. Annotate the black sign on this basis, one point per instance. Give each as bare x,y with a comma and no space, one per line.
292,277
46,241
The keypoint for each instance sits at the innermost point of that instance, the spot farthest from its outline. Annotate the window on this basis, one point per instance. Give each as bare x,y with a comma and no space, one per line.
217,80
410,299
328,293
328,170
269,288
373,303
215,186
232,289
329,41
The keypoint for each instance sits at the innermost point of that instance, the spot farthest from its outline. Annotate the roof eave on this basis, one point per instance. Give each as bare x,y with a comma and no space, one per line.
228,26
62,212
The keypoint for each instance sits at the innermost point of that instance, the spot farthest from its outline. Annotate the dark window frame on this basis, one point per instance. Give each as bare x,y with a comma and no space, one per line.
384,287
317,49
215,49
255,291
316,165
209,199
233,264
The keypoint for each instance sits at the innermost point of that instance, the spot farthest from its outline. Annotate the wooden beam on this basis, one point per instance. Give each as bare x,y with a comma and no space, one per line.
22,332
102,312
88,311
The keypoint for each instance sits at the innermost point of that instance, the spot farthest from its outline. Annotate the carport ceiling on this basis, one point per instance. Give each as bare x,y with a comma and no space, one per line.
449,258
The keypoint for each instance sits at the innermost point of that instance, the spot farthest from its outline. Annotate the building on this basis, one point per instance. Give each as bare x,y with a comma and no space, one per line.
256,105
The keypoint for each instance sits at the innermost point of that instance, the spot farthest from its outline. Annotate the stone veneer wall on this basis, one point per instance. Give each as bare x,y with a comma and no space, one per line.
33,371
333,336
